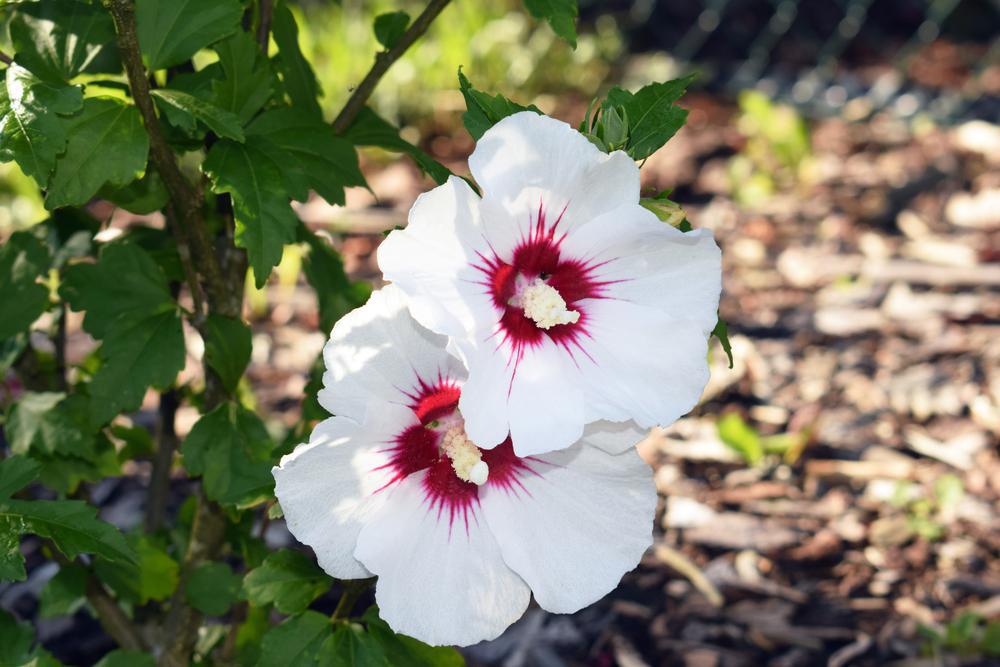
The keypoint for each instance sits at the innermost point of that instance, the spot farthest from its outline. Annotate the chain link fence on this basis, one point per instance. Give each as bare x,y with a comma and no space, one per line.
854,58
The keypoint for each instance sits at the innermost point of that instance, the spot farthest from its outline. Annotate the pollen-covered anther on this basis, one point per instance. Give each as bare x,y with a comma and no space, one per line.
466,459
543,304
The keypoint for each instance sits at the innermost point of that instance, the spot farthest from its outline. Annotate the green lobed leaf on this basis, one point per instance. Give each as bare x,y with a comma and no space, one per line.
63,474
324,270
23,260
64,593
212,588
16,472
99,290
58,39
136,355
310,152
227,348
107,144
389,27
287,579
50,423
653,118
137,320
32,133
264,218
73,526
184,110
153,575
171,31
161,247
11,559
297,642
231,449
142,196
369,129
483,111
351,646
247,82
403,650
122,658
297,75
560,14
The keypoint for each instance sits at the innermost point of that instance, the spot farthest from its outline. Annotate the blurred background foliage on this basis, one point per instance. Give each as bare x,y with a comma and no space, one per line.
499,46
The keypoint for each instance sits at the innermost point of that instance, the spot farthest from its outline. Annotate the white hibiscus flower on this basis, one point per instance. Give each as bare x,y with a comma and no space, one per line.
458,535
561,293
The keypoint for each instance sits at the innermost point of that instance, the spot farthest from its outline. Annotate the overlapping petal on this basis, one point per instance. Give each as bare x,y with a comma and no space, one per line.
376,354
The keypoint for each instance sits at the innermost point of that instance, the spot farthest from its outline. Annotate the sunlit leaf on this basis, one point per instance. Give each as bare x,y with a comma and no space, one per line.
390,27
561,15
287,579
484,111
296,74
264,218
32,129
171,31
107,144
369,129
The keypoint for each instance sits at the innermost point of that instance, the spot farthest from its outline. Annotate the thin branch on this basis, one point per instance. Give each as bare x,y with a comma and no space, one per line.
112,618
224,295
60,345
348,598
166,445
180,629
5,59
239,613
187,264
264,25
383,61
190,230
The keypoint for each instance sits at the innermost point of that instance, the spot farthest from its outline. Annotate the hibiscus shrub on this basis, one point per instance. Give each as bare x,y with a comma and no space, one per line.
107,100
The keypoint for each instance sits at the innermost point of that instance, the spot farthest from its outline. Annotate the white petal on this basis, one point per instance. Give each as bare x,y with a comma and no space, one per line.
432,260
527,157
378,353
438,582
577,526
538,400
646,365
483,402
651,263
613,437
327,488
545,407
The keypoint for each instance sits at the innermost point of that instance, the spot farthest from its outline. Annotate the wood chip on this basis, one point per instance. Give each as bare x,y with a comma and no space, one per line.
732,530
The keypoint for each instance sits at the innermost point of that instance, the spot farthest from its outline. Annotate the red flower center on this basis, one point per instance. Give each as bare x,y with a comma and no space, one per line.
418,448
538,256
